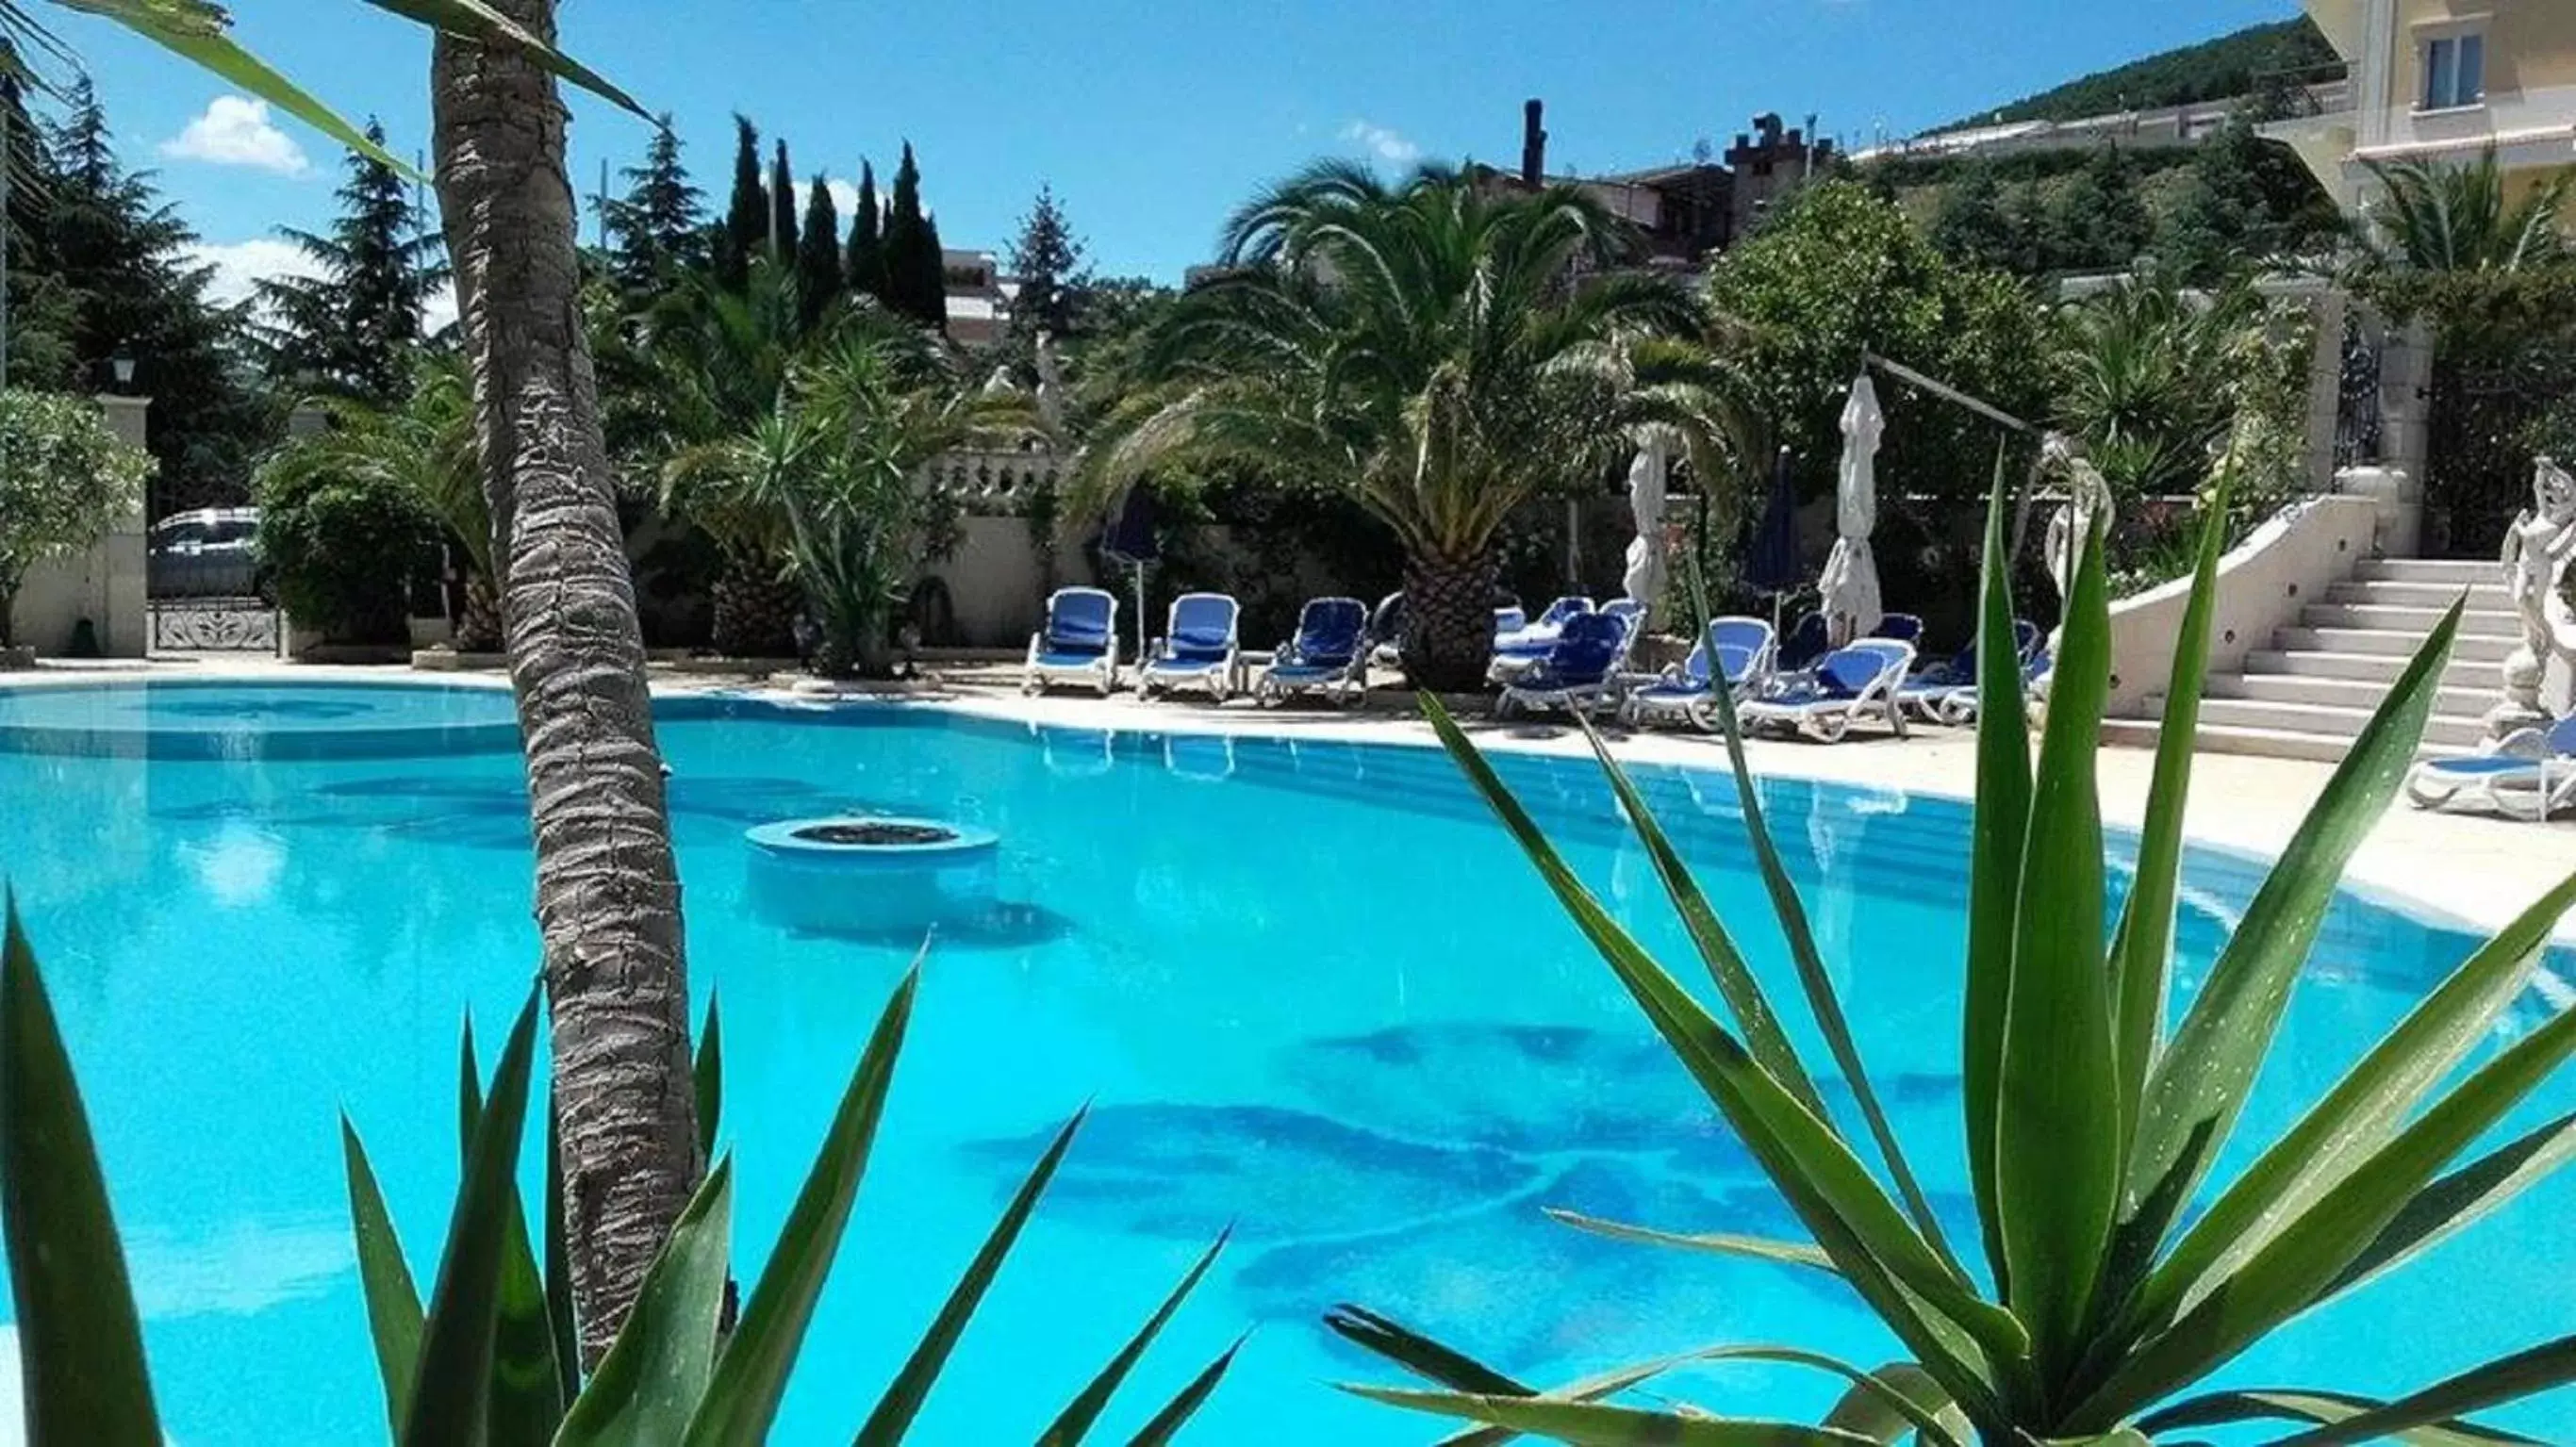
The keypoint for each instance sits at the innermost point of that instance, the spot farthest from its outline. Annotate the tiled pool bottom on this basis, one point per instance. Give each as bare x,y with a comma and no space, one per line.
1315,992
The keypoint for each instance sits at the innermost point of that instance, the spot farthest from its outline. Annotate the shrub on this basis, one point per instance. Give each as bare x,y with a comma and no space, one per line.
343,543
64,481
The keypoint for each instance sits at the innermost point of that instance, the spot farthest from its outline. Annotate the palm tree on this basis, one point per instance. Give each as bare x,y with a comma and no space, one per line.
607,888
2145,376
833,473
1441,350
425,447
2457,218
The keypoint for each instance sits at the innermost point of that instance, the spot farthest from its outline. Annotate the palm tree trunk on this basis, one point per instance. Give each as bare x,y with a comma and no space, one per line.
1449,621
478,619
755,610
608,893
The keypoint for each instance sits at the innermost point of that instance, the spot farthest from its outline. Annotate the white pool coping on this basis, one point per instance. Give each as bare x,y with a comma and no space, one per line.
2468,871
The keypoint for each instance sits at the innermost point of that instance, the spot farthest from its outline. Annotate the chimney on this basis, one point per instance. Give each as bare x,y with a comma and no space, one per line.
1533,144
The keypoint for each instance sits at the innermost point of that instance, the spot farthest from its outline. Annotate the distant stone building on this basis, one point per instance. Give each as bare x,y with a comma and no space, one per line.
1689,209
979,296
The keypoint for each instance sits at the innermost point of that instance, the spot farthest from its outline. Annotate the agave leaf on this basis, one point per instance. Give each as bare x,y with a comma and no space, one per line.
2142,950
2361,1113
2319,1408
1419,1354
707,1075
1593,1424
1167,1423
478,21
1998,833
2453,1203
558,1264
1813,978
1897,1399
902,1401
2057,1146
654,1373
1589,1389
1085,1409
1743,993
393,1301
454,1383
527,1401
2303,1261
1833,1193
742,1397
1786,1253
2200,1082
80,1346
2526,1373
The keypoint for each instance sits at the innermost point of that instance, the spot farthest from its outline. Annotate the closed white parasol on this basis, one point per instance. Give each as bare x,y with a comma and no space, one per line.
1849,587
1644,578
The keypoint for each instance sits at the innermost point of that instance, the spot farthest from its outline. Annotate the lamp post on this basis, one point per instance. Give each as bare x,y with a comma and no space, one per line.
122,370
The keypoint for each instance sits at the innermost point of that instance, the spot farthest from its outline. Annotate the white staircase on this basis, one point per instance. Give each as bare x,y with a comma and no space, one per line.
2310,693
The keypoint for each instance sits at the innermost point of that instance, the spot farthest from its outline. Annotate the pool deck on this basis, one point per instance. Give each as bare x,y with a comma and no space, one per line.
2473,870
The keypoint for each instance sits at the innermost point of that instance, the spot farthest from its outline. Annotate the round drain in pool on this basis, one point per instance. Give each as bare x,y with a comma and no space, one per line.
873,877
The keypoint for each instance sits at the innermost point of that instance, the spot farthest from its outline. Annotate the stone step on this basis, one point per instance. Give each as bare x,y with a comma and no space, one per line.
2482,623
2471,648
2267,743
2483,597
2457,572
2336,692
2375,668
2455,730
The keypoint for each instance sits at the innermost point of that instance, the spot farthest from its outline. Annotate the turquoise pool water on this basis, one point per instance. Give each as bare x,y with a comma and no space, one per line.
1313,990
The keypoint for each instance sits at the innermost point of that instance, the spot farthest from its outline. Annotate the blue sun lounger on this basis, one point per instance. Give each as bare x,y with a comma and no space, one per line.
1519,648
1199,648
1078,643
1580,673
2530,775
1848,686
1735,649
1329,655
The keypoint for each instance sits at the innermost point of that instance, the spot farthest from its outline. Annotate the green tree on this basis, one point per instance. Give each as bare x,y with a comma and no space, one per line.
1047,260
2097,221
658,228
818,255
68,481
116,255
349,329
865,265
2145,376
746,222
916,279
835,467
1975,227
2244,203
1841,273
1437,350
2439,218
782,207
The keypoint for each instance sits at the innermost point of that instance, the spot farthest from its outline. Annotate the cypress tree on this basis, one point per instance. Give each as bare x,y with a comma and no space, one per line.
818,256
746,223
864,267
658,228
782,209
351,326
916,282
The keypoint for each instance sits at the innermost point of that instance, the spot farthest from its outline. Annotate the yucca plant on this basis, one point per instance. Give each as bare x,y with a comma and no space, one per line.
493,1357
2092,1119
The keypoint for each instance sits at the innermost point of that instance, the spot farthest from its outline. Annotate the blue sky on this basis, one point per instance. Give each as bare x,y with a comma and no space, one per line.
1150,119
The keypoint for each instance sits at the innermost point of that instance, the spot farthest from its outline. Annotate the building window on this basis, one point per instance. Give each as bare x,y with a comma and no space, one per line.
2455,71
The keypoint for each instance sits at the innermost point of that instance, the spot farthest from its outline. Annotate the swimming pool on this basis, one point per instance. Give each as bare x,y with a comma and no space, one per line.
1314,992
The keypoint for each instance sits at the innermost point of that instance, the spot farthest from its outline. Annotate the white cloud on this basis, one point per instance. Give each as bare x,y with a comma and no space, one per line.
439,312
241,265
236,131
845,197
1386,144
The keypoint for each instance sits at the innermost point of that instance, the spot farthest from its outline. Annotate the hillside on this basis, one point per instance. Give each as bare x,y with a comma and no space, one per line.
2231,65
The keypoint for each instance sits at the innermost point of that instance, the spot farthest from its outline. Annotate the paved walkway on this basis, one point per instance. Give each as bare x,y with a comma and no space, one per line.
2463,869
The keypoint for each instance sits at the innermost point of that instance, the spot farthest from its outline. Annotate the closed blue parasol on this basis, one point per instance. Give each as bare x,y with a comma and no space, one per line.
1771,562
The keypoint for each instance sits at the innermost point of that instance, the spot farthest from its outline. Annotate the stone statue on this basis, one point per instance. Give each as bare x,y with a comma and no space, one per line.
2087,511
2537,550
1050,383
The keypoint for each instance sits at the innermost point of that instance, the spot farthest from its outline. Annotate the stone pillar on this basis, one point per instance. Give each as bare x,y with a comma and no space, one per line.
120,557
2331,311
